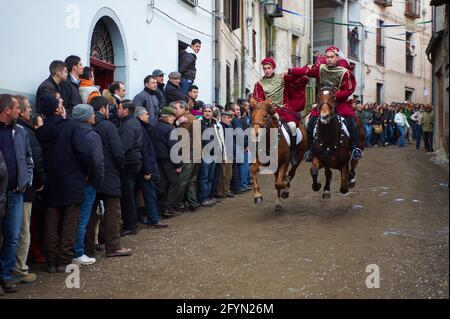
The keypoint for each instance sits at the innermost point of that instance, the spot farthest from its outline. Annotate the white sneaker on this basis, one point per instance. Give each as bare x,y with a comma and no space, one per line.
84,260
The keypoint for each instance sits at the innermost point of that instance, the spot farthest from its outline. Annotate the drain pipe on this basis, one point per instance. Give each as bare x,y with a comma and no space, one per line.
217,65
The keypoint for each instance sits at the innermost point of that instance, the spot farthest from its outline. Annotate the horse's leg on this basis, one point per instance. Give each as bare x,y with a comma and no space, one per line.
344,179
316,166
256,189
278,203
280,183
326,190
352,174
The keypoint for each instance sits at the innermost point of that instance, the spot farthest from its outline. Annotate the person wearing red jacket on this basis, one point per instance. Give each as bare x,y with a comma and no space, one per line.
335,71
287,93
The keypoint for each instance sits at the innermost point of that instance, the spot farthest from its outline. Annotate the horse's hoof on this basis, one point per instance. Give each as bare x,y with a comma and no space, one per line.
344,190
284,195
278,208
316,187
258,200
352,183
326,195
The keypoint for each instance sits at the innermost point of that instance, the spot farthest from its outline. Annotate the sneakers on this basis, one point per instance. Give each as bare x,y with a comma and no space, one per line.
357,154
84,260
308,156
24,279
230,195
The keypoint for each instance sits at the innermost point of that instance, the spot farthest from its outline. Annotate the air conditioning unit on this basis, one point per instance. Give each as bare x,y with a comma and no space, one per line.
192,3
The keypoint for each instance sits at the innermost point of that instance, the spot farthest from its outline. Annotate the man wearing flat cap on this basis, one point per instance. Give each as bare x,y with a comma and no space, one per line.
173,91
159,76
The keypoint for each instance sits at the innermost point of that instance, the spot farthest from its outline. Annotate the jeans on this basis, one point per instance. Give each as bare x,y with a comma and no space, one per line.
185,85
244,171
388,133
408,131
418,134
401,140
85,215
428,140
10,227
206,178
378,137
24,241
235,178
368,131
148,189
216,181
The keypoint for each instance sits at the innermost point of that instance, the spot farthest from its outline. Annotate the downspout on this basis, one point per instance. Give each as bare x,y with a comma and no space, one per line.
243,50
217,64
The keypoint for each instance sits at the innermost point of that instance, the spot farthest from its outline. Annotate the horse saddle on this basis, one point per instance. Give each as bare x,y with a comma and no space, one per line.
288,134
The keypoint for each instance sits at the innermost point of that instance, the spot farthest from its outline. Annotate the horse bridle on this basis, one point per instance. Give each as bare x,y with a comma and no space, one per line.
268,119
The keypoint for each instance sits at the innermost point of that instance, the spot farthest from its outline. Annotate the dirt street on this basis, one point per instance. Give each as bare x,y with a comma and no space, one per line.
397,217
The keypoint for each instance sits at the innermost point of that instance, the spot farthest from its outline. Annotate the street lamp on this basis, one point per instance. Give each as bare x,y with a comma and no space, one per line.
270,7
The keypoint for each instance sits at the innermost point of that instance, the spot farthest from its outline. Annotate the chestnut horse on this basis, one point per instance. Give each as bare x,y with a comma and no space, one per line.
264,119
331,146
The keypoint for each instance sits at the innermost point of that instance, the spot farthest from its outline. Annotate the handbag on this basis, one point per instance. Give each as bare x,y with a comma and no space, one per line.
378,128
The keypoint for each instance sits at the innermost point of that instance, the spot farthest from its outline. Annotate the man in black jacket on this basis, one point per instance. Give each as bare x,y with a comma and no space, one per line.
162,144
150,172
110,191
148,99
58,75
62,142
131,136
173,91
70,89
159,76
22,273
188,61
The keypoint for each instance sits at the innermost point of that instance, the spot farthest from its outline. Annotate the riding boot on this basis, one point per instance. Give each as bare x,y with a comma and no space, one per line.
293,150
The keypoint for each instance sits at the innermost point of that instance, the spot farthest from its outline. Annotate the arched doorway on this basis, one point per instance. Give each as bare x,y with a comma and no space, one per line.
102,55
107,49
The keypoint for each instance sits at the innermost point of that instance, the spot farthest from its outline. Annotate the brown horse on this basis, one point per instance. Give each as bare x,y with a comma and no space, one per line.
331,147
263,117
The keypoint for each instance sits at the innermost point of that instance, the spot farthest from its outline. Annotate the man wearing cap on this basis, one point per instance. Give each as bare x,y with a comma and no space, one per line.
67,161
334,70
162,143
84,115
159,76
287,93
173,91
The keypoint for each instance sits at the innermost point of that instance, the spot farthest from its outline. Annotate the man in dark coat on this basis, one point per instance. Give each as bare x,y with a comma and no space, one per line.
188,60
110,192
84,115
58,75
162,144
159,76
150,172
21,272
70,89
148,99
67,158
131,136
172,91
